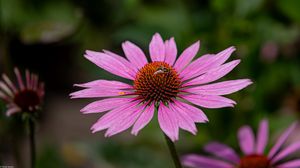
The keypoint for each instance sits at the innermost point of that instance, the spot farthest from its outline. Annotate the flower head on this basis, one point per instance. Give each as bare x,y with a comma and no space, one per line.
21,97
174,87
253,152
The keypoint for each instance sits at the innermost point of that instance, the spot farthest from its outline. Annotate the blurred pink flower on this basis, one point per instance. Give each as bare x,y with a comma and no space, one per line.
169,85
253,150
23,97
269,51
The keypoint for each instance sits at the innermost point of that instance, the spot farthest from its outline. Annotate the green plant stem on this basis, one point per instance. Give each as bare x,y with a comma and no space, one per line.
32,142
173,152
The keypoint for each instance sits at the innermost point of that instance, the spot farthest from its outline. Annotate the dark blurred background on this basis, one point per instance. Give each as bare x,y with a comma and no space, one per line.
49,37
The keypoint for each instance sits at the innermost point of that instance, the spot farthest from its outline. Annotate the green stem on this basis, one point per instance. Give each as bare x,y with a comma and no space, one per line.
32,141
173,152
171,146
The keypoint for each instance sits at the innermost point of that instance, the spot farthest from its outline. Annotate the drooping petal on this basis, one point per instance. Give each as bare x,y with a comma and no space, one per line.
96,92
187,56
12,110
246,140
143,120
198,161
205,63
262,137
220,88
171,51
114,115
184,121
134,54
287,151
281,140
157,48
126,120
223,151
105,84
19,78
290,164
168,122
105,105
109,63
195,113
209,101
214,74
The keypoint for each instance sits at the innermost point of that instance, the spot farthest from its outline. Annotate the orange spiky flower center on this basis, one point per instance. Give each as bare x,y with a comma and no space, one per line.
254,161
157,81
27,100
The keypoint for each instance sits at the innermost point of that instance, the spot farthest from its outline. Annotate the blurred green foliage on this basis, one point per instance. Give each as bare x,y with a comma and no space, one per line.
265,32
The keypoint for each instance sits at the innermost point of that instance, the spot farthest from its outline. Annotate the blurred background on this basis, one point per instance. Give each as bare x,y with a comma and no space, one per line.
49,37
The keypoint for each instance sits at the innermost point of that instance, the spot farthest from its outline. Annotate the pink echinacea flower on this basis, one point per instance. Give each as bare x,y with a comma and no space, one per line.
253,151
172,86
24,96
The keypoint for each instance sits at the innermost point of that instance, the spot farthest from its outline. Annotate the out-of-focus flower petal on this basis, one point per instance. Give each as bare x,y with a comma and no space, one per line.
246,140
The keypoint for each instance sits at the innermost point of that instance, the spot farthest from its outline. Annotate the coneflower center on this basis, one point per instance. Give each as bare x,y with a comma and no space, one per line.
27,100
157,81
254,161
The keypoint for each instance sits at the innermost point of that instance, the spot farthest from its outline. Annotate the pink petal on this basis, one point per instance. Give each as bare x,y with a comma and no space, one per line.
198,161
9,83
105,104
205,63
134,54
105,84
132,68
109,63
290,164
246,140
19,78
126,120
220,88
197,67
157,48
114,115
143,120
32,76
96,92
214,74
223,151
262,137
35,82
281,140
184,121
28,80
4,96
171,51
209,101
187,56
6,89
287,151
41,89
12,110
168,122
195,113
